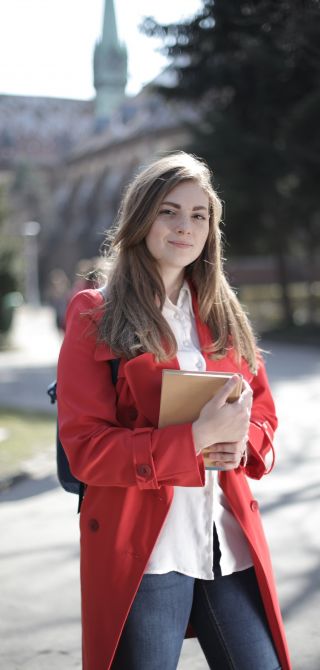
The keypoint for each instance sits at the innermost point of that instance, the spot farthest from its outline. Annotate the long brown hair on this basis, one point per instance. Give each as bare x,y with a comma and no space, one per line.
132,321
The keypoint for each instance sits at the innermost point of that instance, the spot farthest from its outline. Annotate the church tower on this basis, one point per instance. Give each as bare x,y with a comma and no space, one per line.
110,67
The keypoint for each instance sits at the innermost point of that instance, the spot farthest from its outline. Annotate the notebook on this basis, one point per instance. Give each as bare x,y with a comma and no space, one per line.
183,394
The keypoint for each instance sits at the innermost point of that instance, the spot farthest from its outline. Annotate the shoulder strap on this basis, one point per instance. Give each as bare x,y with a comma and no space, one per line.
114,364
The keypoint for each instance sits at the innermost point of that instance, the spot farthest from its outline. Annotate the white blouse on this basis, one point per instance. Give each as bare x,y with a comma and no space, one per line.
185,543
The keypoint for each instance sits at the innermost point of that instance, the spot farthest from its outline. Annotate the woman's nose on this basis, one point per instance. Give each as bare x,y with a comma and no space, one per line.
183,224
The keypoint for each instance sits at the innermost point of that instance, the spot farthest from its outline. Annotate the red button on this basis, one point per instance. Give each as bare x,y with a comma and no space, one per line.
94,525
144,470
254,505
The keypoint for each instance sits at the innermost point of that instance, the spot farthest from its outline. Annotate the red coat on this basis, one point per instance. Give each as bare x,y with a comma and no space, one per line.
131,467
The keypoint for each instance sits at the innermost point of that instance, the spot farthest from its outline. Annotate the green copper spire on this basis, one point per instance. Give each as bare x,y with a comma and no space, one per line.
110,67
109,33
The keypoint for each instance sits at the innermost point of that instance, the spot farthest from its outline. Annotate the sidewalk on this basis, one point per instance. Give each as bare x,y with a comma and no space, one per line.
39,557
30,364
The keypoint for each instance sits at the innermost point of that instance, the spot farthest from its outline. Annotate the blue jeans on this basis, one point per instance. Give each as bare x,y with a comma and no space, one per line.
226,613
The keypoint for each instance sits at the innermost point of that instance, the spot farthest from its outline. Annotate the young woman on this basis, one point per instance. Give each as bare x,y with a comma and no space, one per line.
164,542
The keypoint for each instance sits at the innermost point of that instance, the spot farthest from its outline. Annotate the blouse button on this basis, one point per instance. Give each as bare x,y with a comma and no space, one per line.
199,365
254,505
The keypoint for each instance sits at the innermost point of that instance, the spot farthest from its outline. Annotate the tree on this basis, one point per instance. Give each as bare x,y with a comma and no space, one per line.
252,69
9,270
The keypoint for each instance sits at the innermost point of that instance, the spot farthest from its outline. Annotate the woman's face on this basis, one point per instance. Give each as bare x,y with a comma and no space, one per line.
179,232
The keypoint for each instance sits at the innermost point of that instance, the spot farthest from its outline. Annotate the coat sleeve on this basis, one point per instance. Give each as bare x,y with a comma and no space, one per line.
263,424
100,451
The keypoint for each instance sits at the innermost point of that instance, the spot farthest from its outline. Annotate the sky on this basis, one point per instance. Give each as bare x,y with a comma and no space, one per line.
46,46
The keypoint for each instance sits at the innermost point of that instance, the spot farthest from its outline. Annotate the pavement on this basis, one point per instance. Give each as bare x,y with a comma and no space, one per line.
39,599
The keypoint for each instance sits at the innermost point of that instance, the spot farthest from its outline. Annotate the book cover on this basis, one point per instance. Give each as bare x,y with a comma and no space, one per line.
183,394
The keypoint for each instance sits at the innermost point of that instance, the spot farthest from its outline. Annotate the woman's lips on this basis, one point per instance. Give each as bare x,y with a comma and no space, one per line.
180,244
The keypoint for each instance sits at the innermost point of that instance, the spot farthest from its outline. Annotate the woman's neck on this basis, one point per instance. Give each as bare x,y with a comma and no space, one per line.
172,286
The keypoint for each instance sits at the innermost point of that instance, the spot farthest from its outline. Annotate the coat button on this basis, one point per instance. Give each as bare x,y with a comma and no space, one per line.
144,470
132,414
254,505
94,525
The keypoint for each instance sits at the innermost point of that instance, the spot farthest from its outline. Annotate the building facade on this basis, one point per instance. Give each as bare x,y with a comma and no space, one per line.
65,163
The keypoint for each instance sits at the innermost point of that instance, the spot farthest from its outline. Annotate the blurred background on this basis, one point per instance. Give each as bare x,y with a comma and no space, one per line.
236,83
91,91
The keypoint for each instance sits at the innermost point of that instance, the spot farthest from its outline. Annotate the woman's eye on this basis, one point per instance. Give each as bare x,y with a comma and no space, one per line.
171,212
166,211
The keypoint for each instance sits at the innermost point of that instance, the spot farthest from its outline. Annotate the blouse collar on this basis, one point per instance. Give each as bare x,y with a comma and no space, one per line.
184,301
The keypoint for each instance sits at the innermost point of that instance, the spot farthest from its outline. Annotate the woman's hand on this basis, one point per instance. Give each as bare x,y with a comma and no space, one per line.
223,426
227,455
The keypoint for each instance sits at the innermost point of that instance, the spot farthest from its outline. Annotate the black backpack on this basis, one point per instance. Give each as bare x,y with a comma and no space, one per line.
65,476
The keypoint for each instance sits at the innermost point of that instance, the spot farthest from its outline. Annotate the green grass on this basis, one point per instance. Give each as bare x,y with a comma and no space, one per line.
23,436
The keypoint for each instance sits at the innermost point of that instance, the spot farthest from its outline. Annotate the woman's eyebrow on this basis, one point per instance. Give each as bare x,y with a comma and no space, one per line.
177,206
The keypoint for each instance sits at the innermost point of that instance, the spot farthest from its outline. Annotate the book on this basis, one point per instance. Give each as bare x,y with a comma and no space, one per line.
183,394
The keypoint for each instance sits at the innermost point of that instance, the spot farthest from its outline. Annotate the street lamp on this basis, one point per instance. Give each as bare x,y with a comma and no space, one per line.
31,230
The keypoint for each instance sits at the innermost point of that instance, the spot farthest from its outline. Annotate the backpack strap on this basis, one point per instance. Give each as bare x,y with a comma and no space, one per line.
114,363
52,392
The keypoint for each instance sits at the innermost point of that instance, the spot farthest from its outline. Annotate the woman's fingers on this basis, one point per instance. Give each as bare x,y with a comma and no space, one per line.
224,453
221,421
223,394
246,395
